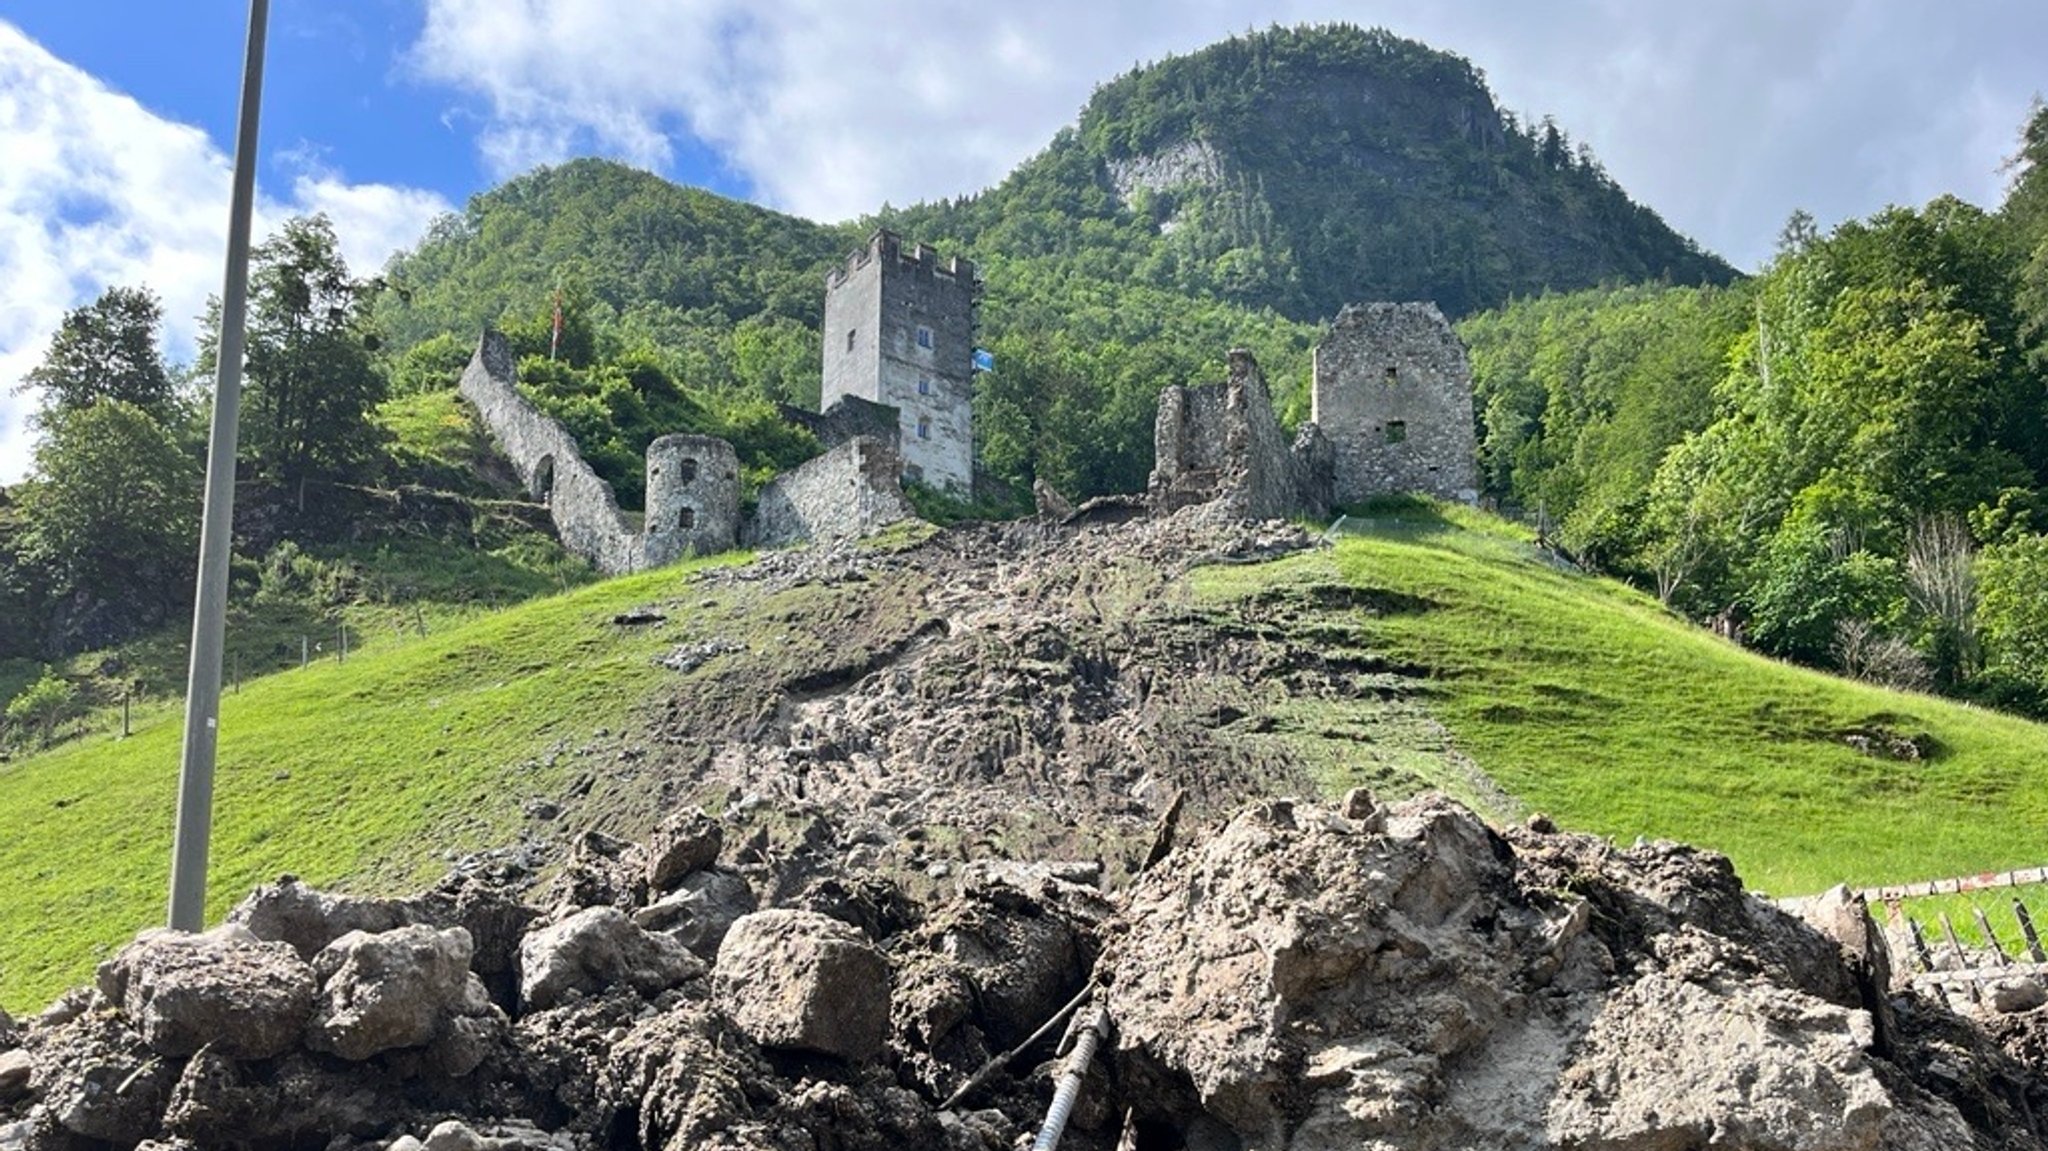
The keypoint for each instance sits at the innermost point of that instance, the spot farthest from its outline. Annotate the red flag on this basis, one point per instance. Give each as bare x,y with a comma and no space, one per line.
555,337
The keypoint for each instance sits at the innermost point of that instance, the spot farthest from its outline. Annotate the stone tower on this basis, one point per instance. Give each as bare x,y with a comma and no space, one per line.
1393,395
899,330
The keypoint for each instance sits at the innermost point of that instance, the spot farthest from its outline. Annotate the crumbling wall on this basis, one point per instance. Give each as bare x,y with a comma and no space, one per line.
1393,393
846,418
585,511
693,499
1221,442
851,491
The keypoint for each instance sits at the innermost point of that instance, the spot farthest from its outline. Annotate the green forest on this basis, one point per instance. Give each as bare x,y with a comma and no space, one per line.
1838,457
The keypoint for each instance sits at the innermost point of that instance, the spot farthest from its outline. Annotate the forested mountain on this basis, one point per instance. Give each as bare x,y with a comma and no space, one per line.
1304,169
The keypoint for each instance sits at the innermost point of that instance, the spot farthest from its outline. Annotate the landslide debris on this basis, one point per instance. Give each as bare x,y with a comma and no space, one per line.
1296,976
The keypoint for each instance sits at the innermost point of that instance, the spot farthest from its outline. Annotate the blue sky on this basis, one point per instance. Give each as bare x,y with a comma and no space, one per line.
116,115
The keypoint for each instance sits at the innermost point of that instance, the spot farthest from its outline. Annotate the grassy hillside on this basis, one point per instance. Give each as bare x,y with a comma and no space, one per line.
1584,699
1574,695
365,771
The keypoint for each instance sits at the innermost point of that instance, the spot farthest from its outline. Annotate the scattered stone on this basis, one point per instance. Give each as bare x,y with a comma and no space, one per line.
392,990
640,617
804,981
688,657
594,949
684,842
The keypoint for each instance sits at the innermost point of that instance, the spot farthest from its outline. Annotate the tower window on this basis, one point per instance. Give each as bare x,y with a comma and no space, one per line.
924,385
1397,431
686,518
1392,377
686,471
849,338
924,427
924,337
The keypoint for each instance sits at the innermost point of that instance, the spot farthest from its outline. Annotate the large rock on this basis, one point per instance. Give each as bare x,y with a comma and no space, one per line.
700,911
97,1079
684,842
16,1070
1313,981
594,949
394,989
290,912
801,980
182,991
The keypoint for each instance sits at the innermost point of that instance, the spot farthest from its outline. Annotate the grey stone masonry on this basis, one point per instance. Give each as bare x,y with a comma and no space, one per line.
1393,395
899,330
583,506
851,491
847,417
693,499
1222,443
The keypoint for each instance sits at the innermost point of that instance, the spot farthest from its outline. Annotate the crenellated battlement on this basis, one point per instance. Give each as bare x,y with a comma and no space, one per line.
920,259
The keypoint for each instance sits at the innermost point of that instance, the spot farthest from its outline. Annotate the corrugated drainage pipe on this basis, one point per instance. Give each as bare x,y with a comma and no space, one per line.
1092,1032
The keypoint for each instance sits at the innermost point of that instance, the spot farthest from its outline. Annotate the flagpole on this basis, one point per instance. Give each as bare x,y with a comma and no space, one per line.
209,612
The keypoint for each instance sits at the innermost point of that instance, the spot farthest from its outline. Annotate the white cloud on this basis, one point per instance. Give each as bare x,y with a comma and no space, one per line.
1722,117
96,190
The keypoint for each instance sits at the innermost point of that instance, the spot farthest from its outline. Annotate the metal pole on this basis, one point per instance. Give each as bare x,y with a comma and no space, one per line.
209,613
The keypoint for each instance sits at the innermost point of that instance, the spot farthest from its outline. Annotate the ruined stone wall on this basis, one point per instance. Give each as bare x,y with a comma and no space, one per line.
583,507
851,491
1393,394
1222,443
846,418
693,499
899,330
693,493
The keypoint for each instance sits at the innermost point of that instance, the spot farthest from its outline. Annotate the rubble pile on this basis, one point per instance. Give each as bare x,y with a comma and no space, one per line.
1296,976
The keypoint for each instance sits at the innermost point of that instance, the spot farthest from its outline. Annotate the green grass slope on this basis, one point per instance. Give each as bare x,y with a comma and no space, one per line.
365,771
1586,700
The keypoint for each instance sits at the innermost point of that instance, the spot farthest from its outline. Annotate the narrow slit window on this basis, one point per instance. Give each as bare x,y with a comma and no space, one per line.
686,519
849,338
924,385
1397,431
924,427
1392,377
924,337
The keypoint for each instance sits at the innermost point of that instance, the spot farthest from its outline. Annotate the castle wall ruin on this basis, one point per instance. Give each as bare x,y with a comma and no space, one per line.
692,481
1221,442
1393,394
851,491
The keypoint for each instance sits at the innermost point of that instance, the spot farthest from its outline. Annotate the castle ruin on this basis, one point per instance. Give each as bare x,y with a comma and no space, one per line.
899,332
693,486
1393,393
1392,415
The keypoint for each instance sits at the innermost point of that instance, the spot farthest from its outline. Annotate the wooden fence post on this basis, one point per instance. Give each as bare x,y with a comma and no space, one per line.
2019,912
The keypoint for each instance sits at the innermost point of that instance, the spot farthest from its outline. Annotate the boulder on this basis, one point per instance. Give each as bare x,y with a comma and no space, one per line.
182,991
290,912
700,911
99,1080
10,1031
594,949
804,981
684,842
16,1068
2014,994
393,989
